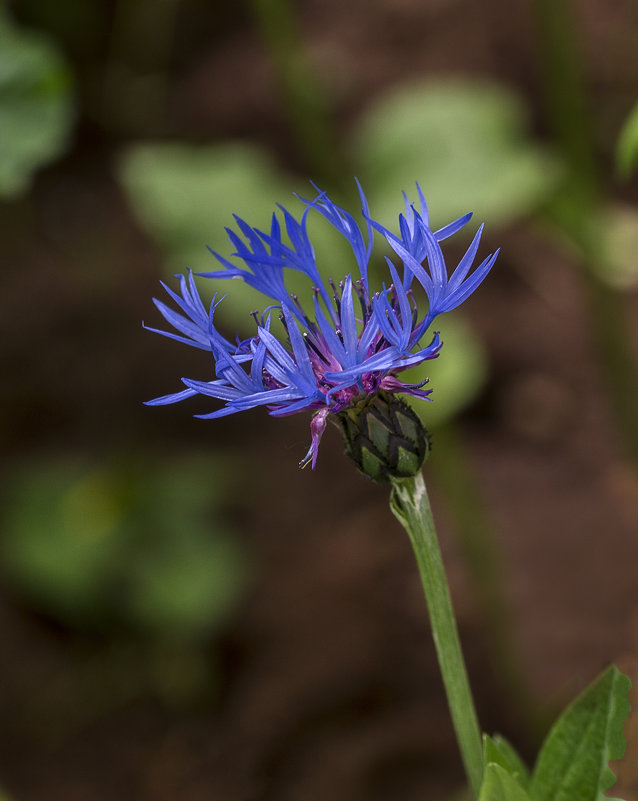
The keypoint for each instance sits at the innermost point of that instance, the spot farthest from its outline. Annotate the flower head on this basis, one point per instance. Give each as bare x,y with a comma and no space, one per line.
353,344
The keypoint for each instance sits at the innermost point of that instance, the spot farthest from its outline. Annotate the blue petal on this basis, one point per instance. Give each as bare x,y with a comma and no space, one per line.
175,397
425,215
293,407
277,350
214,389
299,348
466,262
346,225
383,316
176,337
223,412
328,332
451,228
180,322
348,323
469,285
367,337
436,264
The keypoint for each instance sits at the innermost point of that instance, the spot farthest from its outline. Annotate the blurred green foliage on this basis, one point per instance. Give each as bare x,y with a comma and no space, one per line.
617,225
36,105
464,141
184,195
456,377
627,148
139,545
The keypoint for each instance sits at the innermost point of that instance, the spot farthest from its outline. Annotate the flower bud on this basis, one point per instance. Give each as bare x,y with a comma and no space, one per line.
384,437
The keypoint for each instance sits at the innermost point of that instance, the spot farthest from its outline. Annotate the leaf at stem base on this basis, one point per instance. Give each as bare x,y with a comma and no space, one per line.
573,764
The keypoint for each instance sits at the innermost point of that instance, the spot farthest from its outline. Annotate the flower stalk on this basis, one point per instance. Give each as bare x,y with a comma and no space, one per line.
410,505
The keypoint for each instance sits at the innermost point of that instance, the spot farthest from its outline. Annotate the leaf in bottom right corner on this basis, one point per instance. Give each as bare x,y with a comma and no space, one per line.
573,764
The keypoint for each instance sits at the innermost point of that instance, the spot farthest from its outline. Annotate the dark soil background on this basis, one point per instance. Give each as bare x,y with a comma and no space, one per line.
327,685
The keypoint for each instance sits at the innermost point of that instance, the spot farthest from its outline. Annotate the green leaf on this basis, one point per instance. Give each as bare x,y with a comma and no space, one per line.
627,148
500,785
500,752
573,764
36,107
465,142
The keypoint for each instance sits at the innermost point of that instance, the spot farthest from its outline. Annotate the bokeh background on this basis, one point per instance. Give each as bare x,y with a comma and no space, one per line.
184,614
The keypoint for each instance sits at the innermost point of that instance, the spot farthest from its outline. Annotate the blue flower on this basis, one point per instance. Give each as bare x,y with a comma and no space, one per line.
352,344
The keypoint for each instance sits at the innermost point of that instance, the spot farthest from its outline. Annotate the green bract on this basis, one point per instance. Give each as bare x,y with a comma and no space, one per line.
384,437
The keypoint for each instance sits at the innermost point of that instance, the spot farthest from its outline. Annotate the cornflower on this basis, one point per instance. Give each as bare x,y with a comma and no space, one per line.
347,353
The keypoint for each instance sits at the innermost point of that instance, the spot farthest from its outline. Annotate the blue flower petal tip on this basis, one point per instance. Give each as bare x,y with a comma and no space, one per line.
353,342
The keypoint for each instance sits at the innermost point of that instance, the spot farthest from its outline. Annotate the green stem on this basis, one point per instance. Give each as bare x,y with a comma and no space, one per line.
410,504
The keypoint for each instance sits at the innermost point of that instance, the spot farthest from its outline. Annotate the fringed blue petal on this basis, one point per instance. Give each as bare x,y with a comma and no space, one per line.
350,346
